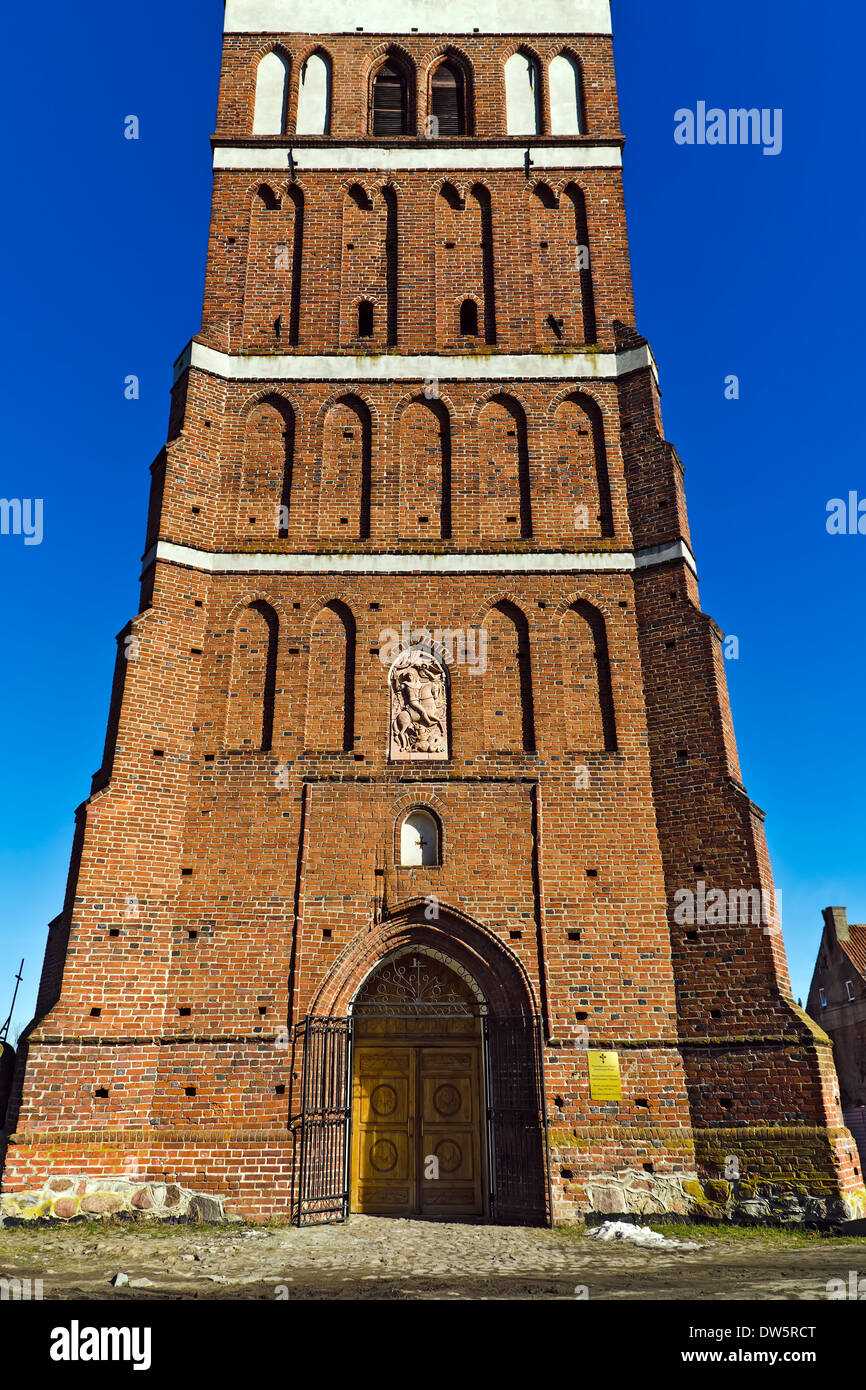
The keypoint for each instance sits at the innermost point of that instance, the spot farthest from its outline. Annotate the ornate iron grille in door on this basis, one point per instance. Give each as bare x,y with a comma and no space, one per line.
324,1120
517,1123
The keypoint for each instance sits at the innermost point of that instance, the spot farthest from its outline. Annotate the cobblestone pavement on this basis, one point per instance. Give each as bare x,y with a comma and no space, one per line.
373,1258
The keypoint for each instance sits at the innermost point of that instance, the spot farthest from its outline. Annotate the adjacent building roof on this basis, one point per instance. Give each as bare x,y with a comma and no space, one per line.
855,946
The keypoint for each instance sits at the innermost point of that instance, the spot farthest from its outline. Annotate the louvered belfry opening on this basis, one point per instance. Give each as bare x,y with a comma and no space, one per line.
448,99
390,101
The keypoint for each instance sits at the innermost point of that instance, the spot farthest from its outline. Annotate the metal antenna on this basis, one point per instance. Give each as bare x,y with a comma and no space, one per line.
5,1028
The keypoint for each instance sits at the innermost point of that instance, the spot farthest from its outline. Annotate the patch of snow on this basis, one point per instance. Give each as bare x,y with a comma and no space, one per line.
640,1235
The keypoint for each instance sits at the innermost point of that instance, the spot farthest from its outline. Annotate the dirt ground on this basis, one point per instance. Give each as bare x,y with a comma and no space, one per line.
376,1258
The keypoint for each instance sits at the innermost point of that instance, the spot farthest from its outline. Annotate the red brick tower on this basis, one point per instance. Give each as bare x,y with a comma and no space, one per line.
420,741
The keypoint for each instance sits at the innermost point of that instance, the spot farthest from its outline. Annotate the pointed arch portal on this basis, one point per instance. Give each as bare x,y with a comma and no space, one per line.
427,1100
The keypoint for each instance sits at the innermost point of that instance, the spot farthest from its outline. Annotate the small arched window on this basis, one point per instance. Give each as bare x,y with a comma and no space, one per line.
365,319
469,318
272,89
448,100
563,77
314,96
522,95
419,840
390,100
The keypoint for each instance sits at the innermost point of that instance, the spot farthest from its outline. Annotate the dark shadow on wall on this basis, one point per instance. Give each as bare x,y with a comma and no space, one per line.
7,1072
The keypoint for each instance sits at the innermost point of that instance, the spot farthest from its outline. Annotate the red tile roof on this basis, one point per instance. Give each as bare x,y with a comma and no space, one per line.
855,949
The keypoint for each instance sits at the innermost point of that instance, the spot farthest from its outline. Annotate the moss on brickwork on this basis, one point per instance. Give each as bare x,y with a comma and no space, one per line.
585,1139
800,1158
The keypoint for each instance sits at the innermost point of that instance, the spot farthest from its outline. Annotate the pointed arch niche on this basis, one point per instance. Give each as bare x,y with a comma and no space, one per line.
590,719
272,290
330,714
345,472
565,89
314,95
503,462
509,715
272,90
264,501
523,94
250,711
425,471
579,498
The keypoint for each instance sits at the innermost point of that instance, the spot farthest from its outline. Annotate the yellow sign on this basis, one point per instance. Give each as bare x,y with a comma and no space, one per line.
604,1078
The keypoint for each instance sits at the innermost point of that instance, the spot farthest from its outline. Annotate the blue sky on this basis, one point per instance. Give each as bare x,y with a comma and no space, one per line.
744,264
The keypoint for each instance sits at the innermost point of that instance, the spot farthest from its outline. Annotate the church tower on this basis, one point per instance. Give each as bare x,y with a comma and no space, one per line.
419,876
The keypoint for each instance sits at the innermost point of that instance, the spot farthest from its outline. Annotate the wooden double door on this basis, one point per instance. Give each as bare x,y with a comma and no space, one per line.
417,1145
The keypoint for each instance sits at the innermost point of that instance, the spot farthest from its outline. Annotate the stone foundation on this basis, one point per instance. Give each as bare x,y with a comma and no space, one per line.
635,1193
71,1198
786,1173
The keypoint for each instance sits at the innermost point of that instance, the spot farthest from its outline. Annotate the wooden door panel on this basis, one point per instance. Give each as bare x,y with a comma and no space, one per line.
447,1099
450,1168
384,1100
417,1135
384,1167
385,1156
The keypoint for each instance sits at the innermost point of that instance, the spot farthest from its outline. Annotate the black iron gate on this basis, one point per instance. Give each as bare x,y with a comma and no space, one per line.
519,1173
517,1153
324,1120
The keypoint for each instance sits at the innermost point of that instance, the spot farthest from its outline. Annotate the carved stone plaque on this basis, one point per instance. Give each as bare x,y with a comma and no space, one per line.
419,708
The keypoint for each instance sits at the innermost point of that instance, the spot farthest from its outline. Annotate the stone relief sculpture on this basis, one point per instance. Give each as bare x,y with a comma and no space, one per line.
419,708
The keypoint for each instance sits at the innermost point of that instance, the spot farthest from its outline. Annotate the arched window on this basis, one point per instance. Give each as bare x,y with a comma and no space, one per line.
389,197
448,100
390,100
314,96
272,89
365,319
272,291
563,77
419,840
522,95
469,318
